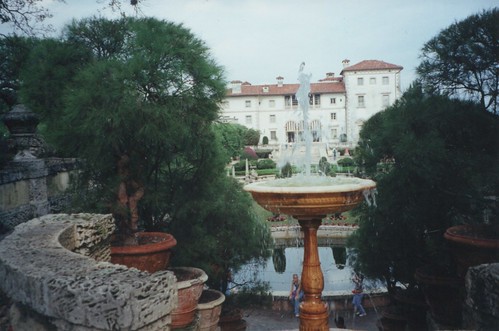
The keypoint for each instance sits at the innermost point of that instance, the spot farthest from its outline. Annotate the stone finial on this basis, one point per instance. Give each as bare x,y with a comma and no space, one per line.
22,124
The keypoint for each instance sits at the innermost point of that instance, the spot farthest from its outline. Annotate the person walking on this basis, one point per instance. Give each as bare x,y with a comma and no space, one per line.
358,293
296,294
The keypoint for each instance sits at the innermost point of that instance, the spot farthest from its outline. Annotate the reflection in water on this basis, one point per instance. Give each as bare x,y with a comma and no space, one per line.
279,260
337,275
340,257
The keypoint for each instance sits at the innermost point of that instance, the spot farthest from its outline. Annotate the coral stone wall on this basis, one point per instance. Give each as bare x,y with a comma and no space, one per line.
55,288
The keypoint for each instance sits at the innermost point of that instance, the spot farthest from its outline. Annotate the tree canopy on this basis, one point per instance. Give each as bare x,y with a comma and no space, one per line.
463,60
435,163
136,105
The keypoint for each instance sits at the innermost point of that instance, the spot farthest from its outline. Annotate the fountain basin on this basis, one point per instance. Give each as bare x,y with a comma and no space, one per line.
310,198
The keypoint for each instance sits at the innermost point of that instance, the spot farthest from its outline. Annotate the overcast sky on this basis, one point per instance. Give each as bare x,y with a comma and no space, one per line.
258,40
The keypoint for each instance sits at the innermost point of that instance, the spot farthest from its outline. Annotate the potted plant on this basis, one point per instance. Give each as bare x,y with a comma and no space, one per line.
473,244
418,194
144,137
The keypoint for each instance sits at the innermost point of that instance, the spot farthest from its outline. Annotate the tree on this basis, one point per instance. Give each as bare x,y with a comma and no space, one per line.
443,155
27,16
142,117
231,137
251,137
463,61
14,52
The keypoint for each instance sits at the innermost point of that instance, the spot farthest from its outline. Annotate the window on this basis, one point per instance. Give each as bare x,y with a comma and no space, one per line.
247,103
273,135
360,81
386,100
315,99
360,101
372,80
334,133
332,101
290,100
333,116
272,118
248,119
271,103
385,80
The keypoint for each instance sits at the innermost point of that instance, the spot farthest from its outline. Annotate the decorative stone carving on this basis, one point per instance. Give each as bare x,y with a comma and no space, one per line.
22,124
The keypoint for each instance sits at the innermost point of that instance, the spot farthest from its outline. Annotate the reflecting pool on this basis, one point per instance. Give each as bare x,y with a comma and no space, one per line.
279,268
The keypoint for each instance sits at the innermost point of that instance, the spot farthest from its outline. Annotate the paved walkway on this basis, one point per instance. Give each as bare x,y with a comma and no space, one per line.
262,319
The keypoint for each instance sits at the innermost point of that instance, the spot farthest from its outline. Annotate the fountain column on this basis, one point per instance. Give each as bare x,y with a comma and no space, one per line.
313,311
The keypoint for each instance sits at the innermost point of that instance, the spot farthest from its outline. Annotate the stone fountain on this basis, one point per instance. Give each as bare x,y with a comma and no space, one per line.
309,199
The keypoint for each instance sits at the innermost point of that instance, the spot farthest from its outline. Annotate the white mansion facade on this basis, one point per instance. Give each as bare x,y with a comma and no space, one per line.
339,105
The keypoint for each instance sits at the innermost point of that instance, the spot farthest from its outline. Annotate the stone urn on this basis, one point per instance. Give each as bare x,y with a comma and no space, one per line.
472,245
151,255
209,309
190,282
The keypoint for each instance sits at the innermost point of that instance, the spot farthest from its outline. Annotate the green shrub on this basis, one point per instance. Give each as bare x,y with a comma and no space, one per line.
265,164
346,162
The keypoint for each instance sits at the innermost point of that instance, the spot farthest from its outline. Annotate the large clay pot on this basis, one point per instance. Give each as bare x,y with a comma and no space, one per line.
443,294
413,305
473,245
151,254
232,320
209,308
190,282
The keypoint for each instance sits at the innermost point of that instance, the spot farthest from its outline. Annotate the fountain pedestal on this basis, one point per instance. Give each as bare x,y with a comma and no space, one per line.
313,311
309,203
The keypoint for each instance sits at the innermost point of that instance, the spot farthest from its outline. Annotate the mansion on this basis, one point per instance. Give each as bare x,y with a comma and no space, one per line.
338,105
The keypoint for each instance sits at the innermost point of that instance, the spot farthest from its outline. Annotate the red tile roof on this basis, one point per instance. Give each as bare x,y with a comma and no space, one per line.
287,89
371,65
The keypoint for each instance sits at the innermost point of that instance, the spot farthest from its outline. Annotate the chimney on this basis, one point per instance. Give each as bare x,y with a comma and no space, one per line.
346,63
280,80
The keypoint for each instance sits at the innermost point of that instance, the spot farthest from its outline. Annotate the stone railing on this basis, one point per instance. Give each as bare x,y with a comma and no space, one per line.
55,288
31,185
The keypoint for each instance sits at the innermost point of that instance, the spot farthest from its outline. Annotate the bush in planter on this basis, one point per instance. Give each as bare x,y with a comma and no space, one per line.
145,160
437,179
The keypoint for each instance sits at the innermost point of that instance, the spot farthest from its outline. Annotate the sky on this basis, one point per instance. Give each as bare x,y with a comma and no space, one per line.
258,40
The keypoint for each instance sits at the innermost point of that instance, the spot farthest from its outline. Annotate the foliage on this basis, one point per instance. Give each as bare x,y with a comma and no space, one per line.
462,60
325,167
444,156
231,137
265,164
142,120
251,137
218,248
142,113
27,16
346,162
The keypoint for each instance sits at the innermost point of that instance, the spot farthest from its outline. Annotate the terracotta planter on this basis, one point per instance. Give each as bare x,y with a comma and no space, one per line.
393,318
190,282
209,308
412,303
152,254
443,294
473,245
232,320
